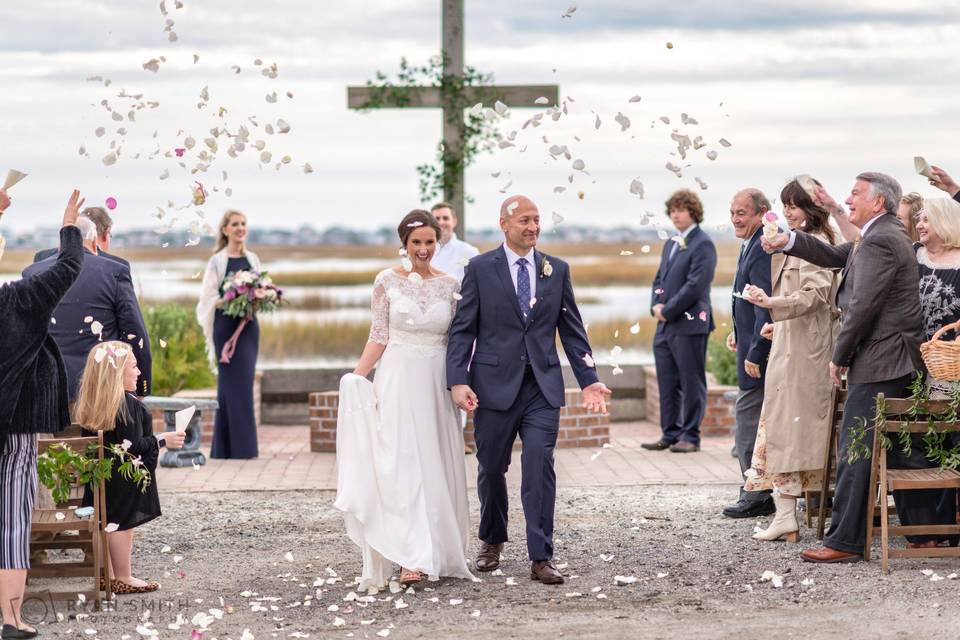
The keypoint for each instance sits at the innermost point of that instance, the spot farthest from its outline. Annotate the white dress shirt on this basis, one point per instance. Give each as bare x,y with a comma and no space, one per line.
683,234
514,269
452,257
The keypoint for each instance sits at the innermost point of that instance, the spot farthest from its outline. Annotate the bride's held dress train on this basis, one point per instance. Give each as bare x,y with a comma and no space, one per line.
401,479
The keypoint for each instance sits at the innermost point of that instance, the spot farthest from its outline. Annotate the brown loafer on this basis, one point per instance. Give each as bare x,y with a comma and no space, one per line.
828,555
684,447
545,572
489,557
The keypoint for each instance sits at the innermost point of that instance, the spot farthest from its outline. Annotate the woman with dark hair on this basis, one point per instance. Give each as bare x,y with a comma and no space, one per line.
33,399
235,425
795,418
910,205
401,478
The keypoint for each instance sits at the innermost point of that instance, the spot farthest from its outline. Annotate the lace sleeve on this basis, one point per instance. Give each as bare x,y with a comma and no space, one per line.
380,321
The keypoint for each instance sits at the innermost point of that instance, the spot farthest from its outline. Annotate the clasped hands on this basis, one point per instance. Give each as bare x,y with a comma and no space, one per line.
595,397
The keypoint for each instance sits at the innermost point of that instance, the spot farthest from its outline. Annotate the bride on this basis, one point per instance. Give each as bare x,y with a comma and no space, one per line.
401,480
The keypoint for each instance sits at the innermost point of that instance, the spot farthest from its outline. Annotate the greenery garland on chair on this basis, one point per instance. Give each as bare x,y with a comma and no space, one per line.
934,442
60,467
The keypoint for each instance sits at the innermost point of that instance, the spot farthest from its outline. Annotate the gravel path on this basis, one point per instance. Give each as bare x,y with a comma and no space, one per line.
698,575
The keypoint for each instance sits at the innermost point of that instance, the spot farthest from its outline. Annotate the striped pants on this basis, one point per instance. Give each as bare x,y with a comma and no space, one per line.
18,488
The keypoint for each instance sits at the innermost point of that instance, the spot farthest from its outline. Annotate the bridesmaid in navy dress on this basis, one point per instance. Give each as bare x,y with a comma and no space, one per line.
235,427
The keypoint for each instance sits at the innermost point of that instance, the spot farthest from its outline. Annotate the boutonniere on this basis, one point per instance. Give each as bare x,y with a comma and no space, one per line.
681,242
546,269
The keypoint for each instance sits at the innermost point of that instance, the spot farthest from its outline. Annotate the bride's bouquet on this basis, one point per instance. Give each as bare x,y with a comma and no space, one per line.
245,294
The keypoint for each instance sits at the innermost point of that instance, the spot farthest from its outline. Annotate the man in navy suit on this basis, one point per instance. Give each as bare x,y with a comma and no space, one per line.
681,304
515,302
104,295
753,267
104,224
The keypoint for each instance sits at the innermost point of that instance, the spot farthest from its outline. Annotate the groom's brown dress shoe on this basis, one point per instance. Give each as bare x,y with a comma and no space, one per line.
544,571
828,555
489,557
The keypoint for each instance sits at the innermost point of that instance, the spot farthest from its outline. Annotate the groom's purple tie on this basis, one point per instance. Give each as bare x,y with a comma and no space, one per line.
523,287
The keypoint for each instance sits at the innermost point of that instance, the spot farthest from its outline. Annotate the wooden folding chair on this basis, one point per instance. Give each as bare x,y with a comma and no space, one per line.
48,532
839,398
884,480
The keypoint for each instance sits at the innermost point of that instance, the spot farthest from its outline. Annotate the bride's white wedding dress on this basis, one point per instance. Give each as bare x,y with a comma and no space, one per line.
401,480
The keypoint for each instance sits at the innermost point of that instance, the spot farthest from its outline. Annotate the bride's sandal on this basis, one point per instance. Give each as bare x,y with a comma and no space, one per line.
409,577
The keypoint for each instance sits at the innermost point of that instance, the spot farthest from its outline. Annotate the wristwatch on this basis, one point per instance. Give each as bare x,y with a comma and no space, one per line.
161,442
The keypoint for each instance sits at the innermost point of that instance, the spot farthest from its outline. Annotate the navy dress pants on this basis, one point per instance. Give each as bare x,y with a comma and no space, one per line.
538,424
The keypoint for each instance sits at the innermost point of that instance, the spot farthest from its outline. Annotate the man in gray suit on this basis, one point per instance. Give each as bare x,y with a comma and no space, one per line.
879,342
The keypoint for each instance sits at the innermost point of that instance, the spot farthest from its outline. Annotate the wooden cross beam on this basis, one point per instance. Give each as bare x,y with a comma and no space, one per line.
514,96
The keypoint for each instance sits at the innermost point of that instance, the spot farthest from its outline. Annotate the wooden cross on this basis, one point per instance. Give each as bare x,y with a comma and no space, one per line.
430,97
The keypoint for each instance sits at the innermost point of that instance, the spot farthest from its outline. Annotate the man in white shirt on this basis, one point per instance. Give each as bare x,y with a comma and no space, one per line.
452,253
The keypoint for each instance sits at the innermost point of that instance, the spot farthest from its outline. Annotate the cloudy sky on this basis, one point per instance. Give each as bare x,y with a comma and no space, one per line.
797,86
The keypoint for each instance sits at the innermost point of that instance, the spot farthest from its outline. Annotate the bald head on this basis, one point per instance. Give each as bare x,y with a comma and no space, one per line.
520,223
515,205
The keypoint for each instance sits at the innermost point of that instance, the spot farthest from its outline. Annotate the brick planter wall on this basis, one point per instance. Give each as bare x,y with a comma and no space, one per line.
719,420
577,427
207,417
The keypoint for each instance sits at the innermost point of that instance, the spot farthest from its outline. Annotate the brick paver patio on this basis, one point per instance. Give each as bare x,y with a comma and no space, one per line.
286,463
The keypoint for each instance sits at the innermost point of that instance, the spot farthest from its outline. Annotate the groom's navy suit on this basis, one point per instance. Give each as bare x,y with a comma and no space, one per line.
515,372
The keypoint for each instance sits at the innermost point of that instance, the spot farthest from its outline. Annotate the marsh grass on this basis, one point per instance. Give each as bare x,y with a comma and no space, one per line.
296,339
309,302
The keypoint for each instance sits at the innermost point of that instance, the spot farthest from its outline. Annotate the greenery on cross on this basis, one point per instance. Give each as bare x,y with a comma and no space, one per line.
477,134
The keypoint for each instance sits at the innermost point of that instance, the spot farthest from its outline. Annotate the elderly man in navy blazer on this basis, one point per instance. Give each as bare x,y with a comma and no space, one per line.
681,304
753,267
100,306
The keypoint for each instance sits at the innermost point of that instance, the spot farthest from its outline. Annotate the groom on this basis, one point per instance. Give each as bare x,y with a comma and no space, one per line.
515,301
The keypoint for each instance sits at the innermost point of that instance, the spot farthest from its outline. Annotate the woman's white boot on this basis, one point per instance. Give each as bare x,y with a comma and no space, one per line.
784,525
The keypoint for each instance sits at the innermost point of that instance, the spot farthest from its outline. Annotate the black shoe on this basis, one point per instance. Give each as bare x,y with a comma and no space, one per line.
659,445
10,632
750,509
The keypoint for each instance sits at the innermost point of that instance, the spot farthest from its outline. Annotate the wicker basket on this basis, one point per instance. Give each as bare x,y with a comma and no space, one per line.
942,357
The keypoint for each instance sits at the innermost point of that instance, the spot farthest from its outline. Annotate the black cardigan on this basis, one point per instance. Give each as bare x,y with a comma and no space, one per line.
33,380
